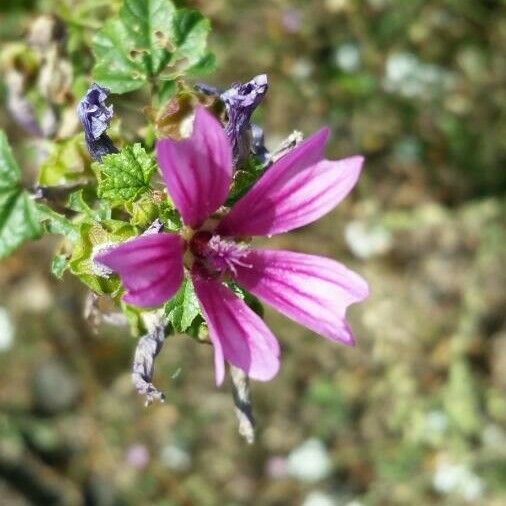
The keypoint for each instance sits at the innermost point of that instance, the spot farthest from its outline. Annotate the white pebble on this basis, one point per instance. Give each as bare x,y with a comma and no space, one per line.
6,330
310,461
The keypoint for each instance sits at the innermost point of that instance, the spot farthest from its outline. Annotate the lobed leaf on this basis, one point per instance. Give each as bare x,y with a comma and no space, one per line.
148,36
124,177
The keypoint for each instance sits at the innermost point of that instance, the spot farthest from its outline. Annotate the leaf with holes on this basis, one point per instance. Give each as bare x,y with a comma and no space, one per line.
146,38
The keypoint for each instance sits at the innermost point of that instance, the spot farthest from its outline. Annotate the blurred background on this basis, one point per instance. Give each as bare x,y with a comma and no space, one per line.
416,413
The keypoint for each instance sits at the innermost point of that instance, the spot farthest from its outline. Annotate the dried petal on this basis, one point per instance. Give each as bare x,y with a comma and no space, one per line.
143,369
241,101
95,116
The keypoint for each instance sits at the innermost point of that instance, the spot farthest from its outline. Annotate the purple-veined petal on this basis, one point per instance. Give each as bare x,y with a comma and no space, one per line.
297,190
314,291
238,334
198,170
150,267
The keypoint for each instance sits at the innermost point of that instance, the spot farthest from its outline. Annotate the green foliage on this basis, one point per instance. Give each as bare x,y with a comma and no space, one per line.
91,236
190,30
170,217
56,223
68,162
134,317
77,203
148,36
123,177
144,211
18,213
183,308
59,265
245,178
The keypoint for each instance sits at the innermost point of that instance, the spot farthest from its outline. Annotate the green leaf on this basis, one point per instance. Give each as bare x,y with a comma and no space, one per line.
134,317
170,217
18,213
205,65
123,177
10,175
92,235
190,29
245,178
59,265
131,49
56,223
68,162
166,90
146,38
198,329
143,212
18,220
183,308
78,203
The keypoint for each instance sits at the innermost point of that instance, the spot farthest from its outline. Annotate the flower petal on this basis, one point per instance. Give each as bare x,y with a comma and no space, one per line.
314,291
297,190
238,334
150,267
198,170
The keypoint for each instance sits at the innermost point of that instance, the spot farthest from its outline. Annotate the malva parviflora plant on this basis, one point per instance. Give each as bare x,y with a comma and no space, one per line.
165,225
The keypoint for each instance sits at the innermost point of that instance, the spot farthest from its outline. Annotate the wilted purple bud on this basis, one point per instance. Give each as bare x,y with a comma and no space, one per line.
147,349
241,101
95,117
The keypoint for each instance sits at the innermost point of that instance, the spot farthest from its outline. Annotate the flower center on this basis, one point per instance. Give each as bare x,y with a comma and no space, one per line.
217,256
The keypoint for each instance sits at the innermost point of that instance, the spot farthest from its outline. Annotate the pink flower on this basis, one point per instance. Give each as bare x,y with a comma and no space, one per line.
296,190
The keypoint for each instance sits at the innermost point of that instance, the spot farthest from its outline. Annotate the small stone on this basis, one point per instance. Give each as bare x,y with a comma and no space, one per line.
453,478
366,241
310,461
317,498
6,330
